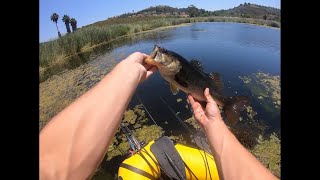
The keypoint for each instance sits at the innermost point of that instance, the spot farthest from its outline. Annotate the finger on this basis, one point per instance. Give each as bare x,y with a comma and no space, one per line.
147,66
198,116
191,100
194,103
137,57
197,108
204,118
151,71
208,96
146,55
201,117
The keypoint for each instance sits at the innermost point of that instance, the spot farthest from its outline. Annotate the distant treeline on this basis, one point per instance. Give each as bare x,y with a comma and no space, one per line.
246,10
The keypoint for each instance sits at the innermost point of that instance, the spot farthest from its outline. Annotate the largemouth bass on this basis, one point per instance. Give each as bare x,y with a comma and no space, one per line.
189,77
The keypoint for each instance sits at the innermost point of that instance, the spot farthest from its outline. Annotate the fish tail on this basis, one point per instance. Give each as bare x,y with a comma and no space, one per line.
233,106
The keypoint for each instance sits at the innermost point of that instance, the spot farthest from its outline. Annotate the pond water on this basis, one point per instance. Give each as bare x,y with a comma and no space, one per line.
231,49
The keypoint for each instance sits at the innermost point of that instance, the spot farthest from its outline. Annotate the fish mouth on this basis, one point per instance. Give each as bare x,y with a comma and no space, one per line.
154,52
153,58
157,52
156,57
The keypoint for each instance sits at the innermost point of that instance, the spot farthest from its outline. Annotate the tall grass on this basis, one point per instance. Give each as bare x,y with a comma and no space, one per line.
74,42
55,52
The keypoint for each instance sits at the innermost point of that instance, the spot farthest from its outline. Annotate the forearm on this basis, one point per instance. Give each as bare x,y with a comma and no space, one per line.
73,144
232,159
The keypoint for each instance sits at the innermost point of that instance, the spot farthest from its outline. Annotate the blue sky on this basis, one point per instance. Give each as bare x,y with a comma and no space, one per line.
90,11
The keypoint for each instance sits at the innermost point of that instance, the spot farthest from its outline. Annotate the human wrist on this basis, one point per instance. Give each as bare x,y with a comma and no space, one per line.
214,123
217,131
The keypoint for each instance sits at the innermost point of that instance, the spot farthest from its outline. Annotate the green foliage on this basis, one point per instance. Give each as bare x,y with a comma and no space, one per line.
265,17
54,17
248,10
66,19
274,24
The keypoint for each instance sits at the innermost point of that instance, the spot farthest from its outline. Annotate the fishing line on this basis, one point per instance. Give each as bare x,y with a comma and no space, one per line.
120,150
146,110
142,148
126,130
145,151
190,170
184,125
206,164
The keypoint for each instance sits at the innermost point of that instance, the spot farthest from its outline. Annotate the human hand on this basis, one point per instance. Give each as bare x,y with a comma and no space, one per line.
135,62
208,114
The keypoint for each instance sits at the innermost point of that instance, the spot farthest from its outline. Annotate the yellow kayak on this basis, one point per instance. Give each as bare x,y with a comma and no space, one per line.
144,165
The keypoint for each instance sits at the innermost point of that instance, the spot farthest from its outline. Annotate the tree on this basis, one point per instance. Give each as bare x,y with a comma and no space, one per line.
54,18
66,20
265,17
192,11
73,23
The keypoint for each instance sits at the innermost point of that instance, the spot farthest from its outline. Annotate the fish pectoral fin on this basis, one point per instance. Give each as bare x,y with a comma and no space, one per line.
216,80
174,89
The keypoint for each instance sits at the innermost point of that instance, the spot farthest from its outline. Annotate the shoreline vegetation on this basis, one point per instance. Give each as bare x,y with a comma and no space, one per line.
56,52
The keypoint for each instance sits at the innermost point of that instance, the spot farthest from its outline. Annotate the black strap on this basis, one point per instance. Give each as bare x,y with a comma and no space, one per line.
137,170
169,158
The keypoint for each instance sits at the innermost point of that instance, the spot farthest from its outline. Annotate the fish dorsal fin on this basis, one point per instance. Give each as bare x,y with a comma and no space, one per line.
216,79
174,89
197,64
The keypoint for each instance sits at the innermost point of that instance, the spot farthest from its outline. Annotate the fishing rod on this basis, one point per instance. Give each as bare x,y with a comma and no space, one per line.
136,146
133,142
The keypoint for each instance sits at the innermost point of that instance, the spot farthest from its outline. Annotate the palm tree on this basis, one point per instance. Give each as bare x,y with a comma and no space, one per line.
66,20
73,22
54,18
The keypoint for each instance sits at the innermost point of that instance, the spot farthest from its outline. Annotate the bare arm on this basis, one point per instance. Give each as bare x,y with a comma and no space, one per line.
232,159
74,142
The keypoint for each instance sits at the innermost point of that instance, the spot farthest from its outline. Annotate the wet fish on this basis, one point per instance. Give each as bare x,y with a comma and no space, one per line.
189,77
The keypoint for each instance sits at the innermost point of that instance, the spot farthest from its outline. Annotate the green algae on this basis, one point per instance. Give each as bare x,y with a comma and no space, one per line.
193,122
266,88
148,133
130,117
137,122
60,90
251,113
267,151
100,174
179,139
